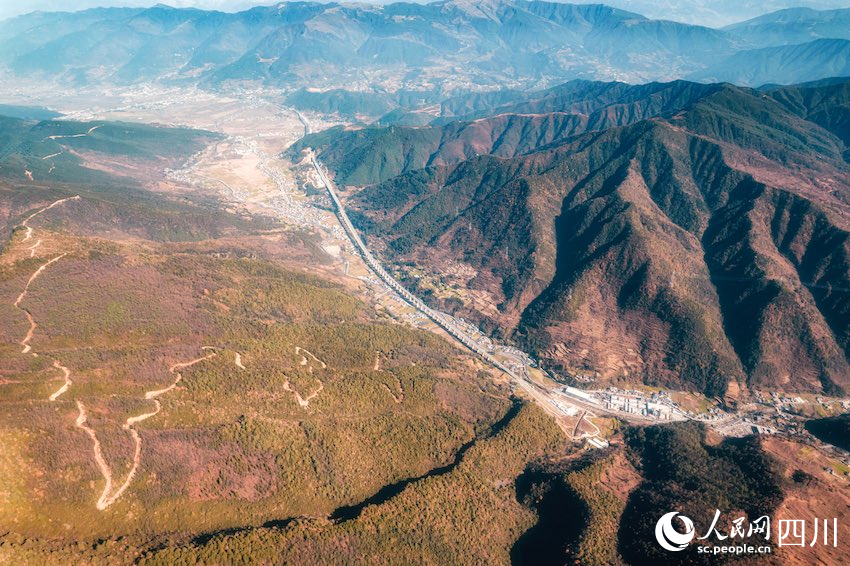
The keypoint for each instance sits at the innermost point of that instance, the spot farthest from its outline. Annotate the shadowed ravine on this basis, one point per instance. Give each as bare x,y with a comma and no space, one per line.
561,513
386,493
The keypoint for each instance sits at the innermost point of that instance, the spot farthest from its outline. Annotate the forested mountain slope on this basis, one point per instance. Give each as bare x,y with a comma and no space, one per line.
689,241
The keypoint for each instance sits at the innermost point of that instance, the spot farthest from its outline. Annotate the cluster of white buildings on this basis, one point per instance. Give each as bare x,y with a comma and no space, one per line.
637,406
568,410
634,403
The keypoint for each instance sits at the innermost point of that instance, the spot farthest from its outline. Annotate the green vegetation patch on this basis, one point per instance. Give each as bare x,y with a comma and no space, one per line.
465,515
231,446
684,473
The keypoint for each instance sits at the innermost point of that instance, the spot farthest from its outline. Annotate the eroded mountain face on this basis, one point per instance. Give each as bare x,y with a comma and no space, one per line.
685,235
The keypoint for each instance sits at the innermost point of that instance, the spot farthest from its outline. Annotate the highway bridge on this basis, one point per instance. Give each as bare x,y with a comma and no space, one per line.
441,319
519,376
548,400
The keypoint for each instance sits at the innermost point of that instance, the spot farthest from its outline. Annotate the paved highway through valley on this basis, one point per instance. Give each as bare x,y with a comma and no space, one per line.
548,399
544,397
441,319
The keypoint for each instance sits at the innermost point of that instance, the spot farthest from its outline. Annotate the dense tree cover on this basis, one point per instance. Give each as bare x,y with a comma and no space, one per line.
578,513
598,542
468,515
231,447
683,473
833,430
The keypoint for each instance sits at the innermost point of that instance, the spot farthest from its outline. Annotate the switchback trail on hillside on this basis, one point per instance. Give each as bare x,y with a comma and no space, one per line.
25,343
107,496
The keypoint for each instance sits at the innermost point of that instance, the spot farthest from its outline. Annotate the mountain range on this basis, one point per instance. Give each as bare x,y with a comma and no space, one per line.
449,46
203,362
716,13
681,233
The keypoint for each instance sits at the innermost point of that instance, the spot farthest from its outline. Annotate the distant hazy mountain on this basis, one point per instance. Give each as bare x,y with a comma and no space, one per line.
788,46
713,13
447,46
786,64
11,9
717,13
685,233
459,44
795,25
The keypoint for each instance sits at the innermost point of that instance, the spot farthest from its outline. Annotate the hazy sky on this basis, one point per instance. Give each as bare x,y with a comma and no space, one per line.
704,12
14,7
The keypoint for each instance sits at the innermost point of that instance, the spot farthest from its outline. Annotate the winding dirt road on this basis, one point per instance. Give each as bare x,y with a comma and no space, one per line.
25,343
25,223
98,454
304,360
302,401
107,497
34,247
68,136
397,398
67,374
